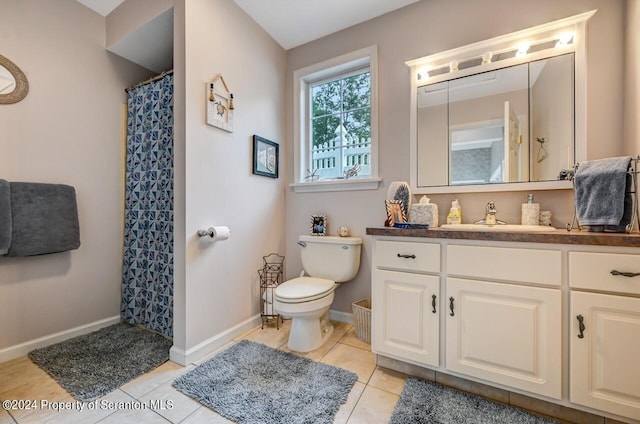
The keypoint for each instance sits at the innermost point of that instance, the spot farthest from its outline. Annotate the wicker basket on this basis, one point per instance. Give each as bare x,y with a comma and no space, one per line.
362,319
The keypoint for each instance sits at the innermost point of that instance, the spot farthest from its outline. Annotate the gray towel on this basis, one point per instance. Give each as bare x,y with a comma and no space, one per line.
44,219
601,191
5,217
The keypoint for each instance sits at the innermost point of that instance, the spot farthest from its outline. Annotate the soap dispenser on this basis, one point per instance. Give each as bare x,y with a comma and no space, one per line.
454,216
530,212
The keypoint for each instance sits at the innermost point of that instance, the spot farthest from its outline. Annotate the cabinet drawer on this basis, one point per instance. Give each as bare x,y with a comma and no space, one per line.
408,256
509,264
589,270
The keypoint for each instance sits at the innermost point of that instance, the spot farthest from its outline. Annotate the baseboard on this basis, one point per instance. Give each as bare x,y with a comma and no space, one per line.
210,345
341,316
22,349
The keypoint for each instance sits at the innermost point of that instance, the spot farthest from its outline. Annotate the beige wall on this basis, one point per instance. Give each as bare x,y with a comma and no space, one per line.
632,79
426,28
219,288
67,130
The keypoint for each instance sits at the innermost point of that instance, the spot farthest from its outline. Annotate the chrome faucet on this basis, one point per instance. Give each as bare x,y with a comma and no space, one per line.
490,217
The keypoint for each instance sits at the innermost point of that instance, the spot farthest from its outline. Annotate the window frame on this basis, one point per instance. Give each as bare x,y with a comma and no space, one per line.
302,80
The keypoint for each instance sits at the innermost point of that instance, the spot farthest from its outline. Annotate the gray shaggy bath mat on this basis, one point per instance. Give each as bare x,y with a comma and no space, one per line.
97,363
423,402
251,383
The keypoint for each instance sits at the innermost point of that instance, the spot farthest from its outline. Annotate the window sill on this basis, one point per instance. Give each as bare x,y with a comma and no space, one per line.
337,185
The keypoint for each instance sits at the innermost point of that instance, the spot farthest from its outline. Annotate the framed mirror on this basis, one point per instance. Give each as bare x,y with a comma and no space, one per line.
13,82
501,114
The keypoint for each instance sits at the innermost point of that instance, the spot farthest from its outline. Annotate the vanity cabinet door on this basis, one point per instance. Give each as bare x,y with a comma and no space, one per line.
507,334
605,353
405,311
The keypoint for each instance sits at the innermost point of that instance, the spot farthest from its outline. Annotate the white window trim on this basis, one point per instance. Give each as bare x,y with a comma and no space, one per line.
301,80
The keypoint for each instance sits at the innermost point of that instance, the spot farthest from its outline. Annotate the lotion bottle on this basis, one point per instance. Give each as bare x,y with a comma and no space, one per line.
530,212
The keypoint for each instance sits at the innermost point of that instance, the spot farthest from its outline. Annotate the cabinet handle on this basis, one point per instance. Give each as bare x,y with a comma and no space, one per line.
407,256
581,326
625,274
451,306
433,303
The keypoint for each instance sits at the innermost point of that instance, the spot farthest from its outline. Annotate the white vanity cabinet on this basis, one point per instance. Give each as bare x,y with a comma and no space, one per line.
500,330
605,332
406,299
554,316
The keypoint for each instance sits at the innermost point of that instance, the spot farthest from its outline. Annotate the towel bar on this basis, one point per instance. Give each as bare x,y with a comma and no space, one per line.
635,217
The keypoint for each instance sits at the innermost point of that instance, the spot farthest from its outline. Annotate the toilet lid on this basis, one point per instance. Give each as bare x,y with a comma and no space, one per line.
304,288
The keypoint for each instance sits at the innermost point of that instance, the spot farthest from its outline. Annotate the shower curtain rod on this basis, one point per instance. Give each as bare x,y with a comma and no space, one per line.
150,80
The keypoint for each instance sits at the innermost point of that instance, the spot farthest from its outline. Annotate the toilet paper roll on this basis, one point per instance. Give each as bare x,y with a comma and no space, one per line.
219,232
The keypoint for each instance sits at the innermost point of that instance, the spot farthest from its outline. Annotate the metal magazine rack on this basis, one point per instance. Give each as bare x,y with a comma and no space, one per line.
635,216
271,276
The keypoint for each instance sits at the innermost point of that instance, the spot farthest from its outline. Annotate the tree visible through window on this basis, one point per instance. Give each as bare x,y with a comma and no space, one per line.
341,126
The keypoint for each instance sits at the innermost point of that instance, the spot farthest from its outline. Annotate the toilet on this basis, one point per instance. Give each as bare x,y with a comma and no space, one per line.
327,261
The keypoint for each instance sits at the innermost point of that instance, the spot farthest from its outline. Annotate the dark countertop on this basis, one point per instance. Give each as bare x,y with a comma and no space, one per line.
559,236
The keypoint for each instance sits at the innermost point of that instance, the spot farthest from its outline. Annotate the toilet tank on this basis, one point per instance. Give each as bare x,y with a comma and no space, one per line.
331,257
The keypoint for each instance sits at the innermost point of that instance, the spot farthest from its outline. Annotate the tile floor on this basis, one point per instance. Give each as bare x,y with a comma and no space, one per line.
371,400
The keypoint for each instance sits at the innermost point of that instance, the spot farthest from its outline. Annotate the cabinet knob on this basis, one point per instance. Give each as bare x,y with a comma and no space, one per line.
451,306
433,303
625,274
581,326
406,256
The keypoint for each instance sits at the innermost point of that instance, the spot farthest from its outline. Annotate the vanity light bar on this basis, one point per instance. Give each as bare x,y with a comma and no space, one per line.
563,40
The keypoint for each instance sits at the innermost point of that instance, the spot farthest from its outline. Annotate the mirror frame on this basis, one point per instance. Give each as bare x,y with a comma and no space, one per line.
22,85
508,42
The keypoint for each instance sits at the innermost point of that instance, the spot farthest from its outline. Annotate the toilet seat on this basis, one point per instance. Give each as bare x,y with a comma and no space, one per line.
304,289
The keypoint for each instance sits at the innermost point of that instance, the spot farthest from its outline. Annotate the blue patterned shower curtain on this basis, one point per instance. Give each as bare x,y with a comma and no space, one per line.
147,278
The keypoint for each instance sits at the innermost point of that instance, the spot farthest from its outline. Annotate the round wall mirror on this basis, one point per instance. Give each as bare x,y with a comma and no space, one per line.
13,82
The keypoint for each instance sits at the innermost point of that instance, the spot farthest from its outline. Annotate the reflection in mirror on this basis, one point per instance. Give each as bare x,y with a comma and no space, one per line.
7,81
13,82
552,109
476,129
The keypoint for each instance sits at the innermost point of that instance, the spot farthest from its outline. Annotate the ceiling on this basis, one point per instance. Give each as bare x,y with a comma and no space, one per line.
295,22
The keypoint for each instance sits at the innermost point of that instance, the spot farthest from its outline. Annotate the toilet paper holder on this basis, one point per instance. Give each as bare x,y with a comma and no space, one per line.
215,233
208,232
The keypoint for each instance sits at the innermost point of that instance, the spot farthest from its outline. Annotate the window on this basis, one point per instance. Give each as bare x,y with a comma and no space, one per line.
335,120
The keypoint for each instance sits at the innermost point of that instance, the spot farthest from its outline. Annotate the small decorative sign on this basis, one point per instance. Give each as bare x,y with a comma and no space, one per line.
219,104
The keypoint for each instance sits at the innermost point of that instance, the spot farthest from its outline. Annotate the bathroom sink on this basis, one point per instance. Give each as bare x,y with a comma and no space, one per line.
504,227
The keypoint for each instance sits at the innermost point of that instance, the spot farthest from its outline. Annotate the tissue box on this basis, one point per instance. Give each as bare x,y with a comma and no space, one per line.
424,214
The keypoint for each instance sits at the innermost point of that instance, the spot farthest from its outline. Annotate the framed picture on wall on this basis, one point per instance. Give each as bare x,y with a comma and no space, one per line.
265,157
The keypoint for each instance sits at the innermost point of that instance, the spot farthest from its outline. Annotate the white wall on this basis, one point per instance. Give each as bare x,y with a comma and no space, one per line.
67,130
632,78
219,288
426,28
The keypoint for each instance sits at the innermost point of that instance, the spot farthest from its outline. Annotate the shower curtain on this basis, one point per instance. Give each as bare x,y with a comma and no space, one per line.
147,277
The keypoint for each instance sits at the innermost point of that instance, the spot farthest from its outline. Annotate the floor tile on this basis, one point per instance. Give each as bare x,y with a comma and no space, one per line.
17,372
153,379
314,355
353,359
43,388
269,336
5,418
215,352
339,329
375,406
170,403
388,380
138,416
350,339
205,415
88,412
346,408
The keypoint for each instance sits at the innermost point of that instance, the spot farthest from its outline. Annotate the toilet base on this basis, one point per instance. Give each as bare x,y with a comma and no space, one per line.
309,334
